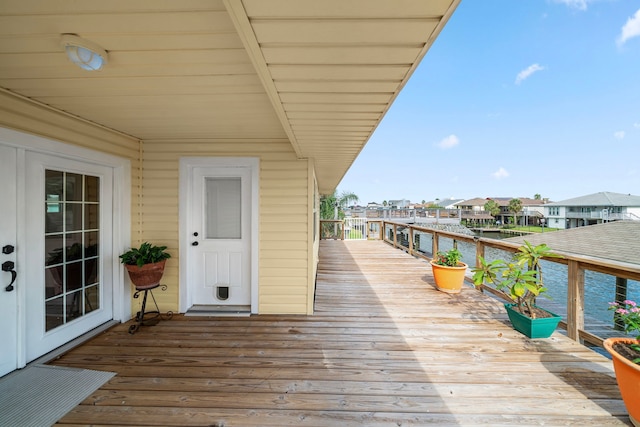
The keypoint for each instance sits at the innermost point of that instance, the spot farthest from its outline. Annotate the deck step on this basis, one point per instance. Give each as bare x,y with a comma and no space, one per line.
219,310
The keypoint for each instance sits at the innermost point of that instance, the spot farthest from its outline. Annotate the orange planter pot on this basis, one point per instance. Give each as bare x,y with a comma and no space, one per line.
628,376
449,279
146,277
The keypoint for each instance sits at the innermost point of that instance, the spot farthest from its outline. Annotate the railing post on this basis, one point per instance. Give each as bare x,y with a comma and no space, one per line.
411,240
395,236
479,251
575,301
434,244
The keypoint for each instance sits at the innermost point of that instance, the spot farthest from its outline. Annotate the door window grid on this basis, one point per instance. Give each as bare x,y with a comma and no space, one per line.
72,243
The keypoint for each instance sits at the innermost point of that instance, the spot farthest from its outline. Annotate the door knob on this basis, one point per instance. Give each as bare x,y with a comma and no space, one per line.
194,244
9,267
8,249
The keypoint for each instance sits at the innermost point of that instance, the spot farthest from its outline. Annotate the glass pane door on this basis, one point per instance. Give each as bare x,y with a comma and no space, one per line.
223,208
72,246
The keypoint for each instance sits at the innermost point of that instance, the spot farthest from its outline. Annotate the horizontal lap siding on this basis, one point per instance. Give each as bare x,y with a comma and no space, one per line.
24,115
283,245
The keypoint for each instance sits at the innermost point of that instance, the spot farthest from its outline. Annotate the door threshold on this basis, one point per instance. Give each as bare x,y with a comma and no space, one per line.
219,310
58,352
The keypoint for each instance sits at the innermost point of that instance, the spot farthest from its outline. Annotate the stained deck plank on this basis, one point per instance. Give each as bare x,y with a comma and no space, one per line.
383,348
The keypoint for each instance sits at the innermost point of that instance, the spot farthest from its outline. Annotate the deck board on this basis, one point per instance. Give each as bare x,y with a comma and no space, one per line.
383,348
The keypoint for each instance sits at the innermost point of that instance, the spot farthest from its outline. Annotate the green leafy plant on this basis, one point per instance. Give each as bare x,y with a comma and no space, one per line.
145,254
521,278
451,258
627,313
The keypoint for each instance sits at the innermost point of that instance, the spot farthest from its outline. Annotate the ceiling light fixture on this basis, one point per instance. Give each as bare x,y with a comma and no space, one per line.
85,54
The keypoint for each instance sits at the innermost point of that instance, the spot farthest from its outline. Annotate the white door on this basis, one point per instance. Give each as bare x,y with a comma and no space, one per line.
8,239
69,242
219,236
63,238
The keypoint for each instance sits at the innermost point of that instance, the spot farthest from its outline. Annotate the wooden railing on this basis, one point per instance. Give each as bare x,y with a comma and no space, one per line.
409,238
334,229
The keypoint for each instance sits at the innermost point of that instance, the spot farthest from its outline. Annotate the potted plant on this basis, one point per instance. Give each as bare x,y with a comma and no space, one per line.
145,264
448,271
626,356
522,279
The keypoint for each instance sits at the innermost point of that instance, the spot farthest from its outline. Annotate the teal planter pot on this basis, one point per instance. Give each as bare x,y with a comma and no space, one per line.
533,328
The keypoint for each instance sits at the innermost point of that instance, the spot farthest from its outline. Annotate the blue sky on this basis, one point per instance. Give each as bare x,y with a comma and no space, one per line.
514,98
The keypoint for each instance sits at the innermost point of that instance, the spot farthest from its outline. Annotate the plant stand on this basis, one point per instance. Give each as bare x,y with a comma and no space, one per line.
144,317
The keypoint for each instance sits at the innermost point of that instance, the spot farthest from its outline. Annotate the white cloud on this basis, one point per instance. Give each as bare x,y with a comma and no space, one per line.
500,173
636,125
576,4
619,134
527,72
630,30
448,142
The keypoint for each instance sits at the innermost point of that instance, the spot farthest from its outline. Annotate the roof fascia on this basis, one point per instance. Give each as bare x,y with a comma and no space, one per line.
240,20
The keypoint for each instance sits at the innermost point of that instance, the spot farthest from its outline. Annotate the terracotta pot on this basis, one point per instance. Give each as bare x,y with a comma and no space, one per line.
628,376
146,277
449,279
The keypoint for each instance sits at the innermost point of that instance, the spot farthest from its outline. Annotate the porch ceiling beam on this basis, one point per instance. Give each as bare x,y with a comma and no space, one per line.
240,20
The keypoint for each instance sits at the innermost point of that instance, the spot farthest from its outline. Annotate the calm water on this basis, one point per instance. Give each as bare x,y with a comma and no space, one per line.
599,288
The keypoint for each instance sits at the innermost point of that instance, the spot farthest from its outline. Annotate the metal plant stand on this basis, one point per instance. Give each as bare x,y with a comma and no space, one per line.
148,318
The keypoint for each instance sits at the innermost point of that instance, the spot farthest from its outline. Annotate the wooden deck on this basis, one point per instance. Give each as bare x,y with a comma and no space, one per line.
383,349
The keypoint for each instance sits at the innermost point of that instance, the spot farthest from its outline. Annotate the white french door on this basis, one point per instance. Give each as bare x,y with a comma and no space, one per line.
8,241
69,216
56,230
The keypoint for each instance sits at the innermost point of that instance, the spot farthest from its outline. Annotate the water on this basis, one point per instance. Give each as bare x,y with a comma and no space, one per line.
599,288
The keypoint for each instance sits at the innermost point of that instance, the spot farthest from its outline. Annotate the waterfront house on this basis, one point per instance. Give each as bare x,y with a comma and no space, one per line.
450,203
211,127
400,204
592,209
473,211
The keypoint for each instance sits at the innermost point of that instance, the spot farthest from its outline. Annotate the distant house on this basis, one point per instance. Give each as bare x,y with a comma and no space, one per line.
592,209
531,213
473,212
476,204
399,204
449,203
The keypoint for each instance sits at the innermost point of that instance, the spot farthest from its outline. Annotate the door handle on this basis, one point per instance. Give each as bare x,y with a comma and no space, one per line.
9,267
194,244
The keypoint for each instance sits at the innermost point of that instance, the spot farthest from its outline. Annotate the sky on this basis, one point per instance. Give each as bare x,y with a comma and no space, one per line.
514,98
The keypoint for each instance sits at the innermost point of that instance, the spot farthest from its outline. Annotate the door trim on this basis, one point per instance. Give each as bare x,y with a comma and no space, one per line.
187,164
121,216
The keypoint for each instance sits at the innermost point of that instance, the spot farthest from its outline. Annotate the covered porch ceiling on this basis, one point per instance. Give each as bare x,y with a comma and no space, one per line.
320,73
